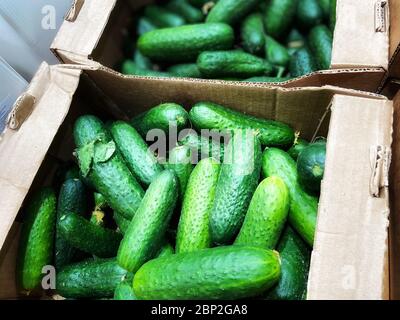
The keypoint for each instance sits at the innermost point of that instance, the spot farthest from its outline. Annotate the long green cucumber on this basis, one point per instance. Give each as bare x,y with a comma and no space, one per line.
231,11
252,33
162,17
279,17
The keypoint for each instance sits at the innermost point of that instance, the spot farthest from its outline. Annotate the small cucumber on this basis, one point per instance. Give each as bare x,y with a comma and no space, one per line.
320,40
279,17
139,159
236,184
161,117
130,68
146,231
207,115
71,199
204,146
162,17
145,25
235,63
194,224
96,278
88,237
122,222
252,33
231,11
295,264
188,70
302,62
276,53
36,242
297,147
185,43
186,10
309,14
303,207
266,216
124,291
232,272
141,61
104,166
180,162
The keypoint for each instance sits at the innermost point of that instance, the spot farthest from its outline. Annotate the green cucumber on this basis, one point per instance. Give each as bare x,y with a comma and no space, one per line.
166,250
186,10
276,53
130,68
96,278
184,44
234,63
266,216
302,62
204,146
332,15
162,17
161,117
311,166
180,162
109,174
71,199
207,115
309,14
194,224
325,6
187,70
124,291
231,11
141,61
146,231
36,242
236,184
122,222
320,40
295,264
297,147
219,273
89,237
279,17
252,33
139,159
145,25
267,79
303,207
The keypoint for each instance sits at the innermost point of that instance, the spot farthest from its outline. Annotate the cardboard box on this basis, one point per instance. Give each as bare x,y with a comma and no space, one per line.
360,54
351,253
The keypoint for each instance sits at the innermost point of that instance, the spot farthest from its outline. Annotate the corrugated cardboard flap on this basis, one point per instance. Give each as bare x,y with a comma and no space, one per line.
353,218
34,125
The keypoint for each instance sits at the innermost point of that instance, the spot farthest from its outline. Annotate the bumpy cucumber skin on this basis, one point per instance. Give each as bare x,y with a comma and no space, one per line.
36,242
231,11
267,79
279,17
276,53
180,162
266,216
187,70
139,159
146,231
309,14
205,147
207,115
236,184
302,62
90,279
303,207
295,265
194,224
111,178
220,64
186,10
298,146
122,222
311,166
88,237
252,32
220,273
71,199
161,117
184,44
124,291
162,17
320,40
145,25
129,67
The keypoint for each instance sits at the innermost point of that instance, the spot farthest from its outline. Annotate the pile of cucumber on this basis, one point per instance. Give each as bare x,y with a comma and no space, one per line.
241,40
213,220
